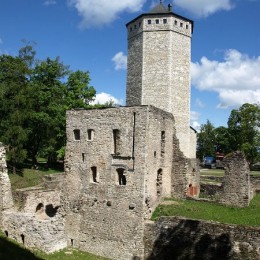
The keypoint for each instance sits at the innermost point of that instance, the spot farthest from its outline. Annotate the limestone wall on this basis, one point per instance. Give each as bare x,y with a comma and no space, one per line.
105,212
236,189
6,200
180,238
159,53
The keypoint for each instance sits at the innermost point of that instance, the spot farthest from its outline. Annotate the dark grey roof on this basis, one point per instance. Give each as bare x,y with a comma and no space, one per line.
159,9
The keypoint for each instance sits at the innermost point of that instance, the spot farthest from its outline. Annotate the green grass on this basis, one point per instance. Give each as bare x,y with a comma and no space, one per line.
221,172
30,177
9,249
249,216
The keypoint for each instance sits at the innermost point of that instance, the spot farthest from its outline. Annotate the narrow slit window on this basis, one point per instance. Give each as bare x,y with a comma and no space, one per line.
83,157
94,174
76,134
187,26
121,176
175,22
117,141
162,143
90,134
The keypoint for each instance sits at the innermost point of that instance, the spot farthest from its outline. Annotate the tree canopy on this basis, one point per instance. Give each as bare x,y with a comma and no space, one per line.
34,97
242,133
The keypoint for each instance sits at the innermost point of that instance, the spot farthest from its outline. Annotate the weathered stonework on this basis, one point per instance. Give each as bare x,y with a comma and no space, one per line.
180,238
236,189
118,167
6,200
159,55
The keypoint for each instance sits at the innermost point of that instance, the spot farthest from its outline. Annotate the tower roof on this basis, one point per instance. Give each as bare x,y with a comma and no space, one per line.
159,9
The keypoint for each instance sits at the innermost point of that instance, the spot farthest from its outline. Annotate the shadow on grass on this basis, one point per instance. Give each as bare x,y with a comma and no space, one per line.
9,250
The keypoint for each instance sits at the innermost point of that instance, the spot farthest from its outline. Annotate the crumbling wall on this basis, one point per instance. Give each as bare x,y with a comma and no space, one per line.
6,199
236,189
185,174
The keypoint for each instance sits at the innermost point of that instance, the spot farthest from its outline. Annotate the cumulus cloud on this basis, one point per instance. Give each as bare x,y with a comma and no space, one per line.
194,117
49,2
236,79
101,12
204,8
102,98
120,61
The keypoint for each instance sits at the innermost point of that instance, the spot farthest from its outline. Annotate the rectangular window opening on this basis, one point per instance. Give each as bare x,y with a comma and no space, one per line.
76,134
90,134
157,21
94,174
162,143
164,21
149,21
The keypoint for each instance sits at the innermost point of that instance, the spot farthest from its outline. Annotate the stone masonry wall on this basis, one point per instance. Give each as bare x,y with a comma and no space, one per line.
105,215
236,182
6,200
165,65
180,238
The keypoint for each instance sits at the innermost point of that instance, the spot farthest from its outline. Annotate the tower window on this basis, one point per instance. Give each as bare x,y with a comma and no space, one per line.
90,134
164,21
157,21
121,176
175,22
76,134
187,26
149,21
117,141
162,143
135,26
181,24
94,174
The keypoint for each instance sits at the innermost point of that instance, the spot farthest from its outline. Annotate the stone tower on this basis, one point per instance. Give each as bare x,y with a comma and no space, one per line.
159,54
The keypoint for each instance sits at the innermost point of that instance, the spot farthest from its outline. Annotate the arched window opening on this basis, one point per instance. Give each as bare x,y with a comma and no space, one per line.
50,210
39,207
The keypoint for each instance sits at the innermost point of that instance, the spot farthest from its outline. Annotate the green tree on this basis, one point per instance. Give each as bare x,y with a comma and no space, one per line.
206,140
222,140
13,107
244,125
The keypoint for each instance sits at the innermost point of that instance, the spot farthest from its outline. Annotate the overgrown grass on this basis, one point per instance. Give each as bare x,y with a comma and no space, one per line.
27,177
221,172
9,249
249,216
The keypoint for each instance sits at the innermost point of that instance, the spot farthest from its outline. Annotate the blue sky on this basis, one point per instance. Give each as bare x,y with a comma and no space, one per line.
90,35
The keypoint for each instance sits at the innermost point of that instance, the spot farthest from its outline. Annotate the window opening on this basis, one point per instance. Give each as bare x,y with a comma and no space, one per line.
135,26
131,29
175,22
117,142
94,174
159,183
50,210
149,21
157,21
164,21
162,143
6,233
121,176
71,242
22,237
187,26
90,134
83,157
39,207
76,134
181,24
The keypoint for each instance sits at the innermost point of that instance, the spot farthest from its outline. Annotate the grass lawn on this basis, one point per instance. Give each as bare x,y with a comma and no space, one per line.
249,216
221,172
9,249
28,177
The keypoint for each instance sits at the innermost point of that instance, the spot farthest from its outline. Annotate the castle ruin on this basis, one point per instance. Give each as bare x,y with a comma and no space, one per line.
120,162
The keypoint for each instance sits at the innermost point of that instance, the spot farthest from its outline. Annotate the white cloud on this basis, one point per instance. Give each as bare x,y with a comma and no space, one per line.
204,8
194,117
101,12
120,61
236,79
49,2
103,97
